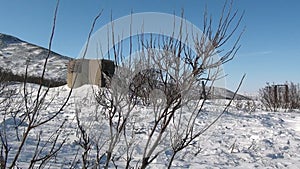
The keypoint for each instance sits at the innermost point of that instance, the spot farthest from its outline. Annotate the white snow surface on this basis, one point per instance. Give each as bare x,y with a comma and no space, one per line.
239,139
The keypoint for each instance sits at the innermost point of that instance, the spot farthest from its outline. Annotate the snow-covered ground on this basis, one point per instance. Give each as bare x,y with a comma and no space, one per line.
294,123
239,139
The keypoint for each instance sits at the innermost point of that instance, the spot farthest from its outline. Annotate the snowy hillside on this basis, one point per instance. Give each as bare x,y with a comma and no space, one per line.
240,139
16,53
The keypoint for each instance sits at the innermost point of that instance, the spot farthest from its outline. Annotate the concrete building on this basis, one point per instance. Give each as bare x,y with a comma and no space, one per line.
89,71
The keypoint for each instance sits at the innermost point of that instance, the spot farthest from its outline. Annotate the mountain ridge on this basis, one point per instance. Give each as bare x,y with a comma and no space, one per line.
15,54
13,39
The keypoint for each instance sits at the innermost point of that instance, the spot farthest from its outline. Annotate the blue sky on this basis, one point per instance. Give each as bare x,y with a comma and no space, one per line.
270,49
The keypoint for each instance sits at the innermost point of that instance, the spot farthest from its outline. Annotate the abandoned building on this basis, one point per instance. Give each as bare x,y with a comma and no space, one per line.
89,71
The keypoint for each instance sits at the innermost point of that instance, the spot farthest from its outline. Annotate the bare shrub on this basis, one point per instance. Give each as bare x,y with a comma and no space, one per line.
173,81
267,98
294,95
144,82
275,97
247,106
24,117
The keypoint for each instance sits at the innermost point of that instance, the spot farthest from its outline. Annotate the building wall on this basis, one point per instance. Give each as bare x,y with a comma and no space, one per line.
71,70
85,71
95,72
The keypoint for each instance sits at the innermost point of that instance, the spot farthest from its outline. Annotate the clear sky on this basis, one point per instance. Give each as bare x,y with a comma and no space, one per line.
270,49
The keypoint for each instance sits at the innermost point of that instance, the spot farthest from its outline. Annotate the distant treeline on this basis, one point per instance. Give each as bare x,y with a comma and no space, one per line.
9,76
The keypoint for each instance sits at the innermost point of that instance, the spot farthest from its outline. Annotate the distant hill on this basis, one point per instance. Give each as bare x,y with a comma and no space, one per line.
16,53
222,93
